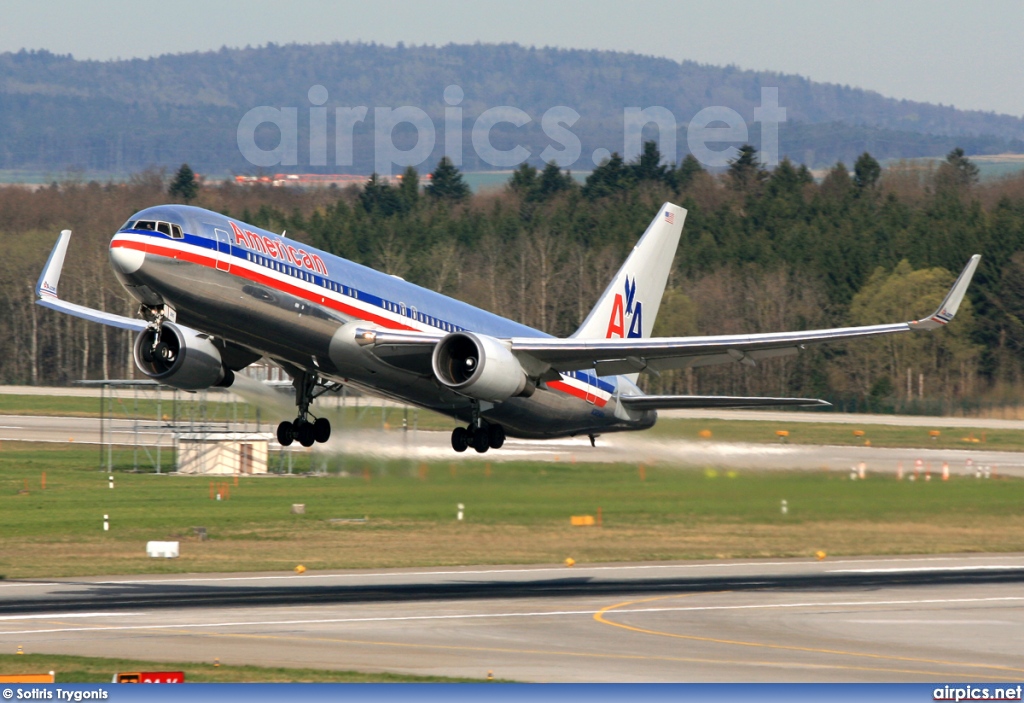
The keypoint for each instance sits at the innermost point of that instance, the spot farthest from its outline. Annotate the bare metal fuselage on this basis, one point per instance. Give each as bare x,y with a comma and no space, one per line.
294,329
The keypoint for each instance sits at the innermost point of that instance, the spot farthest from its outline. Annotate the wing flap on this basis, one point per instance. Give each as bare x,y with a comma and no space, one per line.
669,402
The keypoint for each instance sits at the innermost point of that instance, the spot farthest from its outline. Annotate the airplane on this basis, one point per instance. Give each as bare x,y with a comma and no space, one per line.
216,294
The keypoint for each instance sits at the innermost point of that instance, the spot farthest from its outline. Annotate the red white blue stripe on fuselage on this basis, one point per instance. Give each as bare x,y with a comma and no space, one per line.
351,290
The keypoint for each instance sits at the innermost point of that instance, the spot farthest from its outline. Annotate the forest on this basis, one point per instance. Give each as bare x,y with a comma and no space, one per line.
119,117
761,250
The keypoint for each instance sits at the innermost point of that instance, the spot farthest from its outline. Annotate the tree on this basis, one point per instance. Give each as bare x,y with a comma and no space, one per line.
836,183
553,181
686,172
611,176
745,171
648,166
866,171
946,360
379,196
446,182
185,185
957,171
524,180
409,189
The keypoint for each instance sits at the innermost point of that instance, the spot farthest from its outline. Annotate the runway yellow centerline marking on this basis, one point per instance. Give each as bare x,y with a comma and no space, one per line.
599,616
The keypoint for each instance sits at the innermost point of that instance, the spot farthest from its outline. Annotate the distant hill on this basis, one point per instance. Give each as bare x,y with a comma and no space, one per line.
122,116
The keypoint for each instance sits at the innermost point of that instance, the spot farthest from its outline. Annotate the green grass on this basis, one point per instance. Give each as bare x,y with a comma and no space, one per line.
842,434
515,513
73,669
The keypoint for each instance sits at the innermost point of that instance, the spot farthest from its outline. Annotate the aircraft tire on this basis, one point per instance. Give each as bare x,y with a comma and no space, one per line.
285,434
495,436
322,429
460,439
307,436
481,440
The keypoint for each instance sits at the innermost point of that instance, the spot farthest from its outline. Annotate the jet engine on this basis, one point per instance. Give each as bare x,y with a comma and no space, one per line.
480,367
181,358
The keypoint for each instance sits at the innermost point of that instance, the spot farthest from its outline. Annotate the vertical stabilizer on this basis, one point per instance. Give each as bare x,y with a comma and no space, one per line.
630,303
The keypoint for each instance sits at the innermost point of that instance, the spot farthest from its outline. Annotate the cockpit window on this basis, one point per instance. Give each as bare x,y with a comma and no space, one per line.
163,228
147,225
176,232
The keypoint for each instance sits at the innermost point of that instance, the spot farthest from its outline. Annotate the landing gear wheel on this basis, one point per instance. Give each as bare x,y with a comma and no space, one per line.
460,439
495,436
306,433
322,429
481,440
285,433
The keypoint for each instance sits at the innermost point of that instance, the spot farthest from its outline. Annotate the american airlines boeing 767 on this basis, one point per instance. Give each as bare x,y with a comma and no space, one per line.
216,295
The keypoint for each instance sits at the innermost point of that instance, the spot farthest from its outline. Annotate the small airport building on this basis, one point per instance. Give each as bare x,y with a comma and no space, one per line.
222,453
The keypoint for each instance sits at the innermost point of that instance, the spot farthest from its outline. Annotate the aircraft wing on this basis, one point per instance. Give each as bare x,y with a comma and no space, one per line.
46,290
614,356
623,356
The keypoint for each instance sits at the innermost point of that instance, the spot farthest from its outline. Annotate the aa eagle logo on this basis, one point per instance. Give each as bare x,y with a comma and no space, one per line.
626,310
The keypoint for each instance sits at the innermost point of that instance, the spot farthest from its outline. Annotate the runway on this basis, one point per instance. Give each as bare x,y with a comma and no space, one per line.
621,448
956,618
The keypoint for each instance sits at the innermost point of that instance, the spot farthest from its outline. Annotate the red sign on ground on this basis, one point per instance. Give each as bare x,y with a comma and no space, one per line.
150,677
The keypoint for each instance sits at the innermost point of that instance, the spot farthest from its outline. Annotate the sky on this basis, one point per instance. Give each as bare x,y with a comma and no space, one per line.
967,54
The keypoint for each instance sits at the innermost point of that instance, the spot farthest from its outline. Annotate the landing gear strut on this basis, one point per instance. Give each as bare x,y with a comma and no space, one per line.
307,429
480,435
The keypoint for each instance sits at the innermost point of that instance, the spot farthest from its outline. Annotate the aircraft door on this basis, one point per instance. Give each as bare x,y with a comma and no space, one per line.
223,251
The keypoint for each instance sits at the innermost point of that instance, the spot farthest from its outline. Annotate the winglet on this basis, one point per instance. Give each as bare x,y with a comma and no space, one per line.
951,303
46,287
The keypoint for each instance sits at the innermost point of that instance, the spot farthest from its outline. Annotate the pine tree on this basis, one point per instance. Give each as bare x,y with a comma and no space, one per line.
687,172
553,181
524,180
612,176
648,166
185,185
446,182
409,190
964,171
866,171
745,171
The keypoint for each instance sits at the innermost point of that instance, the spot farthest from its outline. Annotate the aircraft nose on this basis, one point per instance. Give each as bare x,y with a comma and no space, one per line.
125,260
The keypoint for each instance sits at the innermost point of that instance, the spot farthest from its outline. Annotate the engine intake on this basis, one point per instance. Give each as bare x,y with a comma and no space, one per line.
480,367
181,358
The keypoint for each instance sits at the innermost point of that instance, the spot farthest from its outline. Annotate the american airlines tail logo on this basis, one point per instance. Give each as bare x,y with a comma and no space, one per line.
626,308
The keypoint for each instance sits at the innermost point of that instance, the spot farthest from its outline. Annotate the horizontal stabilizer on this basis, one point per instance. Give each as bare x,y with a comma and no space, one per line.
669,402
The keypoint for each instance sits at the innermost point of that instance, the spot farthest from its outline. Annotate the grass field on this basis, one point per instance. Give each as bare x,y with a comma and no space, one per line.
71,669
515,513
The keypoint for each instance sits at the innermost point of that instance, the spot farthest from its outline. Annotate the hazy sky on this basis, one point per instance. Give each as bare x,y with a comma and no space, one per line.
968,54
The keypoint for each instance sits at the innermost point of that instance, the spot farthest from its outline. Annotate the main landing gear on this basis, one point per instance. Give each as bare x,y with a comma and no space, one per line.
481,437
306,429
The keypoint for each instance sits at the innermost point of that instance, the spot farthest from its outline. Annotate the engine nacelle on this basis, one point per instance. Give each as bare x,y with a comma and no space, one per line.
181,358
480,367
